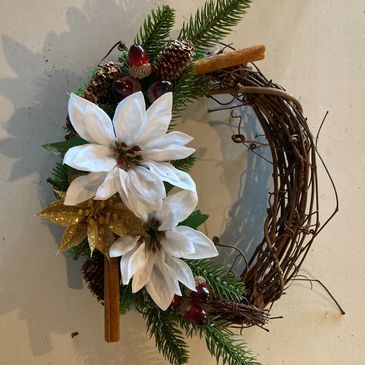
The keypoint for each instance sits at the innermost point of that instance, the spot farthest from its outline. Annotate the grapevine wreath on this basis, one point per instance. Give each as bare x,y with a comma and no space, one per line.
121,158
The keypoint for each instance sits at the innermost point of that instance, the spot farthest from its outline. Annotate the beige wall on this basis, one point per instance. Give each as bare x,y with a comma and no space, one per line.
315,48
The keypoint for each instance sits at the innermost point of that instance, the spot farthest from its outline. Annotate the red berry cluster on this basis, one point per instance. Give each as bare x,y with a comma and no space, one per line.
139,68
192,305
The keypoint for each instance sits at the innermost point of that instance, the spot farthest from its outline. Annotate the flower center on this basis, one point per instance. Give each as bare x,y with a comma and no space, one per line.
153,236
99,210
126,155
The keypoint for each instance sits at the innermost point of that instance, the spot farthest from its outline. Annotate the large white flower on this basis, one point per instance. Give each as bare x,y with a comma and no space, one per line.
129,154
154,260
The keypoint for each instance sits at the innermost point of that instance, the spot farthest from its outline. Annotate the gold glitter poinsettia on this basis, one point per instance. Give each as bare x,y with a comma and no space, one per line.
98,220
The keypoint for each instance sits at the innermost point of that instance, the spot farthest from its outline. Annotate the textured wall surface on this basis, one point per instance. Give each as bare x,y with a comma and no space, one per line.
316,49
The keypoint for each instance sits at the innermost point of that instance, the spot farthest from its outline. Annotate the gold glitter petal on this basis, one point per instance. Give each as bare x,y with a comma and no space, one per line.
106,239
126,224
61,194
73,236
64,215
100,237
92,234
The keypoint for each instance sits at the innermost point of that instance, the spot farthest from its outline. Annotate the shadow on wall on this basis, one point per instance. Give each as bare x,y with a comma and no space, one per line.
38,96
244,227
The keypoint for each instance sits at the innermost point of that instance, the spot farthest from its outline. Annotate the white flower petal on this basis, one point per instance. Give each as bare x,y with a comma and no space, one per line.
123,245
172,175
183,272
142,277
158,118
176,208
177,244
76,112
131,199
90,157
138,260
125,277
172,152
146,186
163,284
99,126
109,186
175,138
204,247
129,118
83,188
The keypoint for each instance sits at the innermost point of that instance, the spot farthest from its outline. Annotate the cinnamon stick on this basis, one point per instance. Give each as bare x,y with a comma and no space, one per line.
111,298
229,59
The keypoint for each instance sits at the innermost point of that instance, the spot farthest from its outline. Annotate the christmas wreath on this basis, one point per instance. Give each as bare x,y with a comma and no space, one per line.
123,158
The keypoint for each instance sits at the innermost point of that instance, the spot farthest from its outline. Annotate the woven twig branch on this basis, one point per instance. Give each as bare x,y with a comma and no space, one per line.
292,220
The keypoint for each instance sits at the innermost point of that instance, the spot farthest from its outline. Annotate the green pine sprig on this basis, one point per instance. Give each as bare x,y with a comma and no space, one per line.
226,347
213,22
126,298
185,164
164,326
224,283
59,178
155,30
187,88
195,219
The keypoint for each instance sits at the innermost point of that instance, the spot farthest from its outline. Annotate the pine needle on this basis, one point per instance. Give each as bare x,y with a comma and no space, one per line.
227,347
224,283
213,22
168,336
155,30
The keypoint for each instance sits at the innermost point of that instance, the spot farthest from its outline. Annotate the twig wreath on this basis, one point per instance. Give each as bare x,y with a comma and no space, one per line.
121,157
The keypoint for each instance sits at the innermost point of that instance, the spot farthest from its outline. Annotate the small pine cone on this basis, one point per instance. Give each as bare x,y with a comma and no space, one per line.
100,85
173,60
93,273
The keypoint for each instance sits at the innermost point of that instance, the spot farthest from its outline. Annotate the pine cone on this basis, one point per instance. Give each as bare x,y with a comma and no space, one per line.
93,273
173,60
100,86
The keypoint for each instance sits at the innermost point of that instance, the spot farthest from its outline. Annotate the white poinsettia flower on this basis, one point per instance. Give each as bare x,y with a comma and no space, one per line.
129,154
154,260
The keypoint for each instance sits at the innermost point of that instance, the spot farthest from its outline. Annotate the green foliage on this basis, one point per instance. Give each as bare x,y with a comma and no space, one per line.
108,108
164,326
82,249
213,22
155,30
187,88
224,283
60,148
227,347
195,219
126,298
59,178
185,164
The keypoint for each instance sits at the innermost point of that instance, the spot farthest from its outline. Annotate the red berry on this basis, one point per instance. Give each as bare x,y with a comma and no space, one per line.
123,87
202,293
137,56
195,314
159,88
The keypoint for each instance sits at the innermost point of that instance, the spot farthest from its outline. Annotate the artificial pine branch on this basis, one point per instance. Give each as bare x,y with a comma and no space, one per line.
59,178
168,336
126,298
187,88
213,22
227,347
224,283
155,30
195,219
185,164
